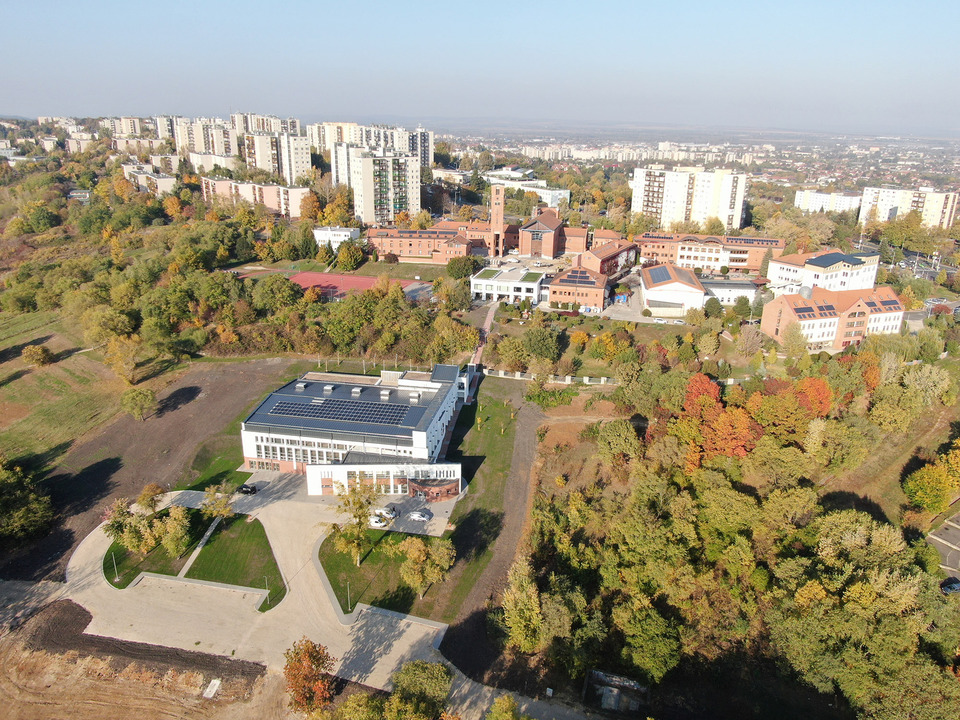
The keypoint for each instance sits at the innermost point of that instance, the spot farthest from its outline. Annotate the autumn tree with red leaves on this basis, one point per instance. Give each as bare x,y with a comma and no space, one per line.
307,672
815,395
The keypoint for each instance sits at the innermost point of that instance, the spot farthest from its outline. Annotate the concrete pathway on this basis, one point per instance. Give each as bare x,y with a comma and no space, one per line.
193,556
225,621
487,324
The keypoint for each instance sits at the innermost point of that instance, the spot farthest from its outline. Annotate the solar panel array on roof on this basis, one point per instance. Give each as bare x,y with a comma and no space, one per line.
577,276
338,409
887,303
659,274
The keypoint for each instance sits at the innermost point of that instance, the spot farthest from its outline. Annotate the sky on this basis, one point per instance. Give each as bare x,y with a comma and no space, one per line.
839,66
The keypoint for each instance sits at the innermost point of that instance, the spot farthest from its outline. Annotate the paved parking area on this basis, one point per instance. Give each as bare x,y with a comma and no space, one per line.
275,486
946,539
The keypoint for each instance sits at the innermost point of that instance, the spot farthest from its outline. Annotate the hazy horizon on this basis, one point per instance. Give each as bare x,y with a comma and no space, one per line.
846,69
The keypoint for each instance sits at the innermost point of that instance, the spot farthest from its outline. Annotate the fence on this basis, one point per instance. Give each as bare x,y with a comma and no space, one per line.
562,379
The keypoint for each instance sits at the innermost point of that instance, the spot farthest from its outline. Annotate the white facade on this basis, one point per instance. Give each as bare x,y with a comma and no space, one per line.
147,180
514,285
205,162
294,157
830,271
334,236
812,201
550,196
204,135
689,195
252,122
727,292
122,126
388,478
282,154
937,209
384,183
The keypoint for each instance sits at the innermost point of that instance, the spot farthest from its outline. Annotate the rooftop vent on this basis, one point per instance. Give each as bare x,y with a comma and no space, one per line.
327,389
301,386
414,397
355,392
384,395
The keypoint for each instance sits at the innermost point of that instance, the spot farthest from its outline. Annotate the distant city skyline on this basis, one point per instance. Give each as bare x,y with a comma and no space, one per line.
857,68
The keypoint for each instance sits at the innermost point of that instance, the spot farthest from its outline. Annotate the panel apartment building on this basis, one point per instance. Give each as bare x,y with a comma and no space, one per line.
419,142
812,201
689,195
283,154
384,182
937,209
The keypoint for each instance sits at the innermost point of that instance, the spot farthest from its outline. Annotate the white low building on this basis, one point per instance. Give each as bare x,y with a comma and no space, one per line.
334,236
729,291
511,285
828,269
669,290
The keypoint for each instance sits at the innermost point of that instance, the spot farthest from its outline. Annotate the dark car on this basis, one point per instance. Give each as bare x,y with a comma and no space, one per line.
950,586
247,489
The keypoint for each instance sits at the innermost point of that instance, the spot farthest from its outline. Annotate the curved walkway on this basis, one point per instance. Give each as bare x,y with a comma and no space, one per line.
222,621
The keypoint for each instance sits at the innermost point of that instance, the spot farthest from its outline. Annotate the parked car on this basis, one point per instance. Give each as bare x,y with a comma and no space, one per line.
660,321
377,522
679,322
247,489
950,586
419,516
388,513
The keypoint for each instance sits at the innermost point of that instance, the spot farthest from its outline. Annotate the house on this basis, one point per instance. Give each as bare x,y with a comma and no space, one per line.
670,290
342,430
833,319
582,286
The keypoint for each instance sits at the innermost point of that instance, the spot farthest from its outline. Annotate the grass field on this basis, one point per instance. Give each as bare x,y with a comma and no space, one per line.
239,553
485,453
43,410
129,565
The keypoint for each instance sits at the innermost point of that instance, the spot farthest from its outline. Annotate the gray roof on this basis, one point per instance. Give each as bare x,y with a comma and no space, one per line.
829,259
352,410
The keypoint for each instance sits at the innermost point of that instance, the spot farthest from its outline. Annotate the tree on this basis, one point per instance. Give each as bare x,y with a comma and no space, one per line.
121,355
513,353
765,262
275,293
618,443
424,563
742,307
931,487
714,226
310,207
713,308
37,355
505,708
25,509
521,609
149,497
355,503
175,531
217,502
461,267
138,402
542,342
793,341
750,341
307,672
349,256
422,686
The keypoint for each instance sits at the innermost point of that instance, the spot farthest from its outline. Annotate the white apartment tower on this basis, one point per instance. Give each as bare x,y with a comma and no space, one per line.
937,209
384,182
689,195
254,123
211,136
282,154
813,201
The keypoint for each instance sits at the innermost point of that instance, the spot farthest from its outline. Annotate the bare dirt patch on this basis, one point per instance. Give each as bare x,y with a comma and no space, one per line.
118,459
11,412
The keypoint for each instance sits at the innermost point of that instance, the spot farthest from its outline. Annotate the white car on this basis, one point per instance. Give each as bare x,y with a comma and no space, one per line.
419,516
377,522
660,321
388,513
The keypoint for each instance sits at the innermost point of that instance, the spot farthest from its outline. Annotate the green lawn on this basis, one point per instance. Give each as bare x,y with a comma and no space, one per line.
377,580
47,408
129,565
239,553
487,274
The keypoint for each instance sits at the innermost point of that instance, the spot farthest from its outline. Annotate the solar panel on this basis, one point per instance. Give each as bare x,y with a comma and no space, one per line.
339,409
659,274
870,303
889,302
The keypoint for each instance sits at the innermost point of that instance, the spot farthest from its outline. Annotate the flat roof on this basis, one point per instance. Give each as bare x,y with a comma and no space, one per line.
321,404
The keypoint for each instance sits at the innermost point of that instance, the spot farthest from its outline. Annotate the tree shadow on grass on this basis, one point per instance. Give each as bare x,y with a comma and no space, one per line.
400,599
14,351
13,377
846,500
476,531
39,464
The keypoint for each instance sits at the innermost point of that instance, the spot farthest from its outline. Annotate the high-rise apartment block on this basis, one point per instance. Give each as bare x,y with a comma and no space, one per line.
210,136
689,195
812,201
420,142
937,209
283,154
253,123
384,182
122,126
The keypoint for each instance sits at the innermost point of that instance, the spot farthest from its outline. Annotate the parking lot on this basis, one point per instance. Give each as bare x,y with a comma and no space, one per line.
946,539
